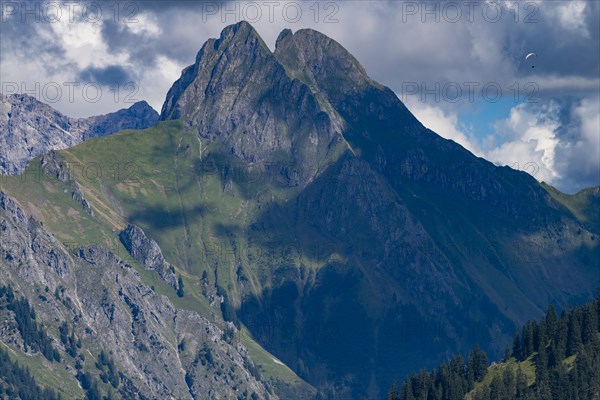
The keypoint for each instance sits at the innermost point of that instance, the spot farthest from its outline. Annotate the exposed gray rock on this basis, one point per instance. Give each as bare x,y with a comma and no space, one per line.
238,95
55,168
147,252
30,128
77,195
108,307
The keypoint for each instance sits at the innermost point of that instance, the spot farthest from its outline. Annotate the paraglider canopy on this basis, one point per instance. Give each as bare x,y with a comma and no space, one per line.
529,57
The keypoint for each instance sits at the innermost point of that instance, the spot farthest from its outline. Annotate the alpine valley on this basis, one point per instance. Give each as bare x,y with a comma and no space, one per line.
285,229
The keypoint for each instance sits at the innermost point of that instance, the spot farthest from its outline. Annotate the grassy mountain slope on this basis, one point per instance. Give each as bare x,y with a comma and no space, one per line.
149,178
46,375
584,205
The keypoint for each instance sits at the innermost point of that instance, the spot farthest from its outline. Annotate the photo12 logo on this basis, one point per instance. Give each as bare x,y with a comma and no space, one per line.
469,11
50,12
271,11
454,92
72,92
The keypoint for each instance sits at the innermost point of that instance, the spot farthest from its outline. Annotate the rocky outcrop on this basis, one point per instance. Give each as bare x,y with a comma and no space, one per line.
147,252
53,167
160,351
77,195
31,128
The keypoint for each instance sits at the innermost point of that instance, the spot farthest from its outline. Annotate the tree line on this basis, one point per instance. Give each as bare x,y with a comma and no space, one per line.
563,353
33,335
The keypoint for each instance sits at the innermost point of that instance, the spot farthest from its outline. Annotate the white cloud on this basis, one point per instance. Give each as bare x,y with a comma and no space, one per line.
578,155
164,76
145,24
570,15
558,144
554,83
528,141
443,123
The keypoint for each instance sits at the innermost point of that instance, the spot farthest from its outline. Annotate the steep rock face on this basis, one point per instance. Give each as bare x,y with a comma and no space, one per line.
147,252
31,128
237,94
384,132
105,304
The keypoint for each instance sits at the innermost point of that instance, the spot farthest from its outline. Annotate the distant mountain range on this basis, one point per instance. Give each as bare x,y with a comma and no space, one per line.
31,128
288,229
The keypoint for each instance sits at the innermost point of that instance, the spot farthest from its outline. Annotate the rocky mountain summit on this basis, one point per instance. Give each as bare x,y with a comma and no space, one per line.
238,95
30,128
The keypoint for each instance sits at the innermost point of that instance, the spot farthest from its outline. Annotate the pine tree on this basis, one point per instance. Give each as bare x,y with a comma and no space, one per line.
508,384
559,384
597,307
393,393
496,389
521,384
541,373
541,339
528,347
573,336
516,349
180,291
407,391
551,321
589,324
477,364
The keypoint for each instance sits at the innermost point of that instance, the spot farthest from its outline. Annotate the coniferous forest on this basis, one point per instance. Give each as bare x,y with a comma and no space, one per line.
557,357
17,383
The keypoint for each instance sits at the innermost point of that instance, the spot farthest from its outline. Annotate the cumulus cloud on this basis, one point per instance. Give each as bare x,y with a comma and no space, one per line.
150,42
528,141
571,16
578,154
445,124
557,142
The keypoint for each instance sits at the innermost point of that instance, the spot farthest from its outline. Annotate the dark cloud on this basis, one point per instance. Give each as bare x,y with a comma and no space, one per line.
563,48
107,76
182,5
22,35
144,51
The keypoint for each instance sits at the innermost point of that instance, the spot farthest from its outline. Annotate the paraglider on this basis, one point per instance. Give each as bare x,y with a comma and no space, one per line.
530,56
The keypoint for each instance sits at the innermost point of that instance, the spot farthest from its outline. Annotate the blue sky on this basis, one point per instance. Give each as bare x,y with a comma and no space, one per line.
63,54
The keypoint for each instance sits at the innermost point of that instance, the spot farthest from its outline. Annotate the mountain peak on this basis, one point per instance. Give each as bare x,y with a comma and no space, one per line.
282,36
237,51
237,94
242,26
319,58
143,108
242,34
